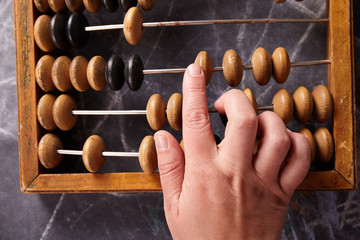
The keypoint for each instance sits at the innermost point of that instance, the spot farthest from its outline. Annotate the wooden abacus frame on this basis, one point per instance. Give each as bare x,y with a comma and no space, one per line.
340,81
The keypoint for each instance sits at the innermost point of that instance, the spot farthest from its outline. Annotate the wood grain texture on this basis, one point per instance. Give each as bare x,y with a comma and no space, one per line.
133,29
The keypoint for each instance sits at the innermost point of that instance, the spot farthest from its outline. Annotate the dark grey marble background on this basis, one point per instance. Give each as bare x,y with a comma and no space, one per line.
311,215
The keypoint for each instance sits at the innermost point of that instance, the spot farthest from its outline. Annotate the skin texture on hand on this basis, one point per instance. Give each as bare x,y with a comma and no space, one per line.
225,191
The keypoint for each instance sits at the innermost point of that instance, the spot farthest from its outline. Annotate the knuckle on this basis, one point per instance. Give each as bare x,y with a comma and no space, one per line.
197,118
280,140
245,120
168,167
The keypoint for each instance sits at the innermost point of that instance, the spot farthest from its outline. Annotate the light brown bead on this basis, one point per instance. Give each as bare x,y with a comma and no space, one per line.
279,1
47,151
62,112
75,5
78,68
44,112
147,155
262,66
133,29
92,5
232,67
256,146
155,112
147,5
251,97
42,33
323,103
303,104
204,61
174,111
96,73
324,145
182,145
281,65
283,105
43,73
309,136
60,74
57,5
42,5
92,153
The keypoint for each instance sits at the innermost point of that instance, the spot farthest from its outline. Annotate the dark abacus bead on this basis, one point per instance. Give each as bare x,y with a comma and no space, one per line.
217,139
114,72
127,4
223,119
58,31
75,30
134,72
110,5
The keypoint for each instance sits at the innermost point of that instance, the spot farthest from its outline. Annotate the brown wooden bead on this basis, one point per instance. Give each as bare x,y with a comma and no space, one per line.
75,5
47,151
324,145
323,103
155,112
174,111
62,112
251,97
43,73
147,5
204,61
61,75
232,68
283,105
256,146
78,68
262,66
44,112
92,5
281,65
182,145
279,1
92,153
303,104
96,73
310,137
42,33
42,5
147,155
57,5
133,29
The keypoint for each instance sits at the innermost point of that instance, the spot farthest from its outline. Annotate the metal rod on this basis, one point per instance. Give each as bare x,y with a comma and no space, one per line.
105,153
271,108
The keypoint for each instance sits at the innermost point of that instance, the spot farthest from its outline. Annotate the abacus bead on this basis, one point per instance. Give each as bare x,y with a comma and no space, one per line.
75,5
75,30
283,105
303,104
43,73
280,65
44,111
174,111
60,74
57,5
133,29
232,68
251,97
279,1
155,112
78,76
96,73
92,5
127,4
62,112
92,153
58,31
47,151
310,137
42,5
147,155
182,145
323,103
134,72
262,66
147,5
324,145
110,5
114,72
204,61
42,33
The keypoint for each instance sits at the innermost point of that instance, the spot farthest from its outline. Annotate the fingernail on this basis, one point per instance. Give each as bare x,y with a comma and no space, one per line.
194,70
161,143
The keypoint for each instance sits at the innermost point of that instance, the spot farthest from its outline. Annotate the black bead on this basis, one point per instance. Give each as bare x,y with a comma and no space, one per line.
58,31
217,139
75,30
134,72
127,4
110,5
223,119
114,72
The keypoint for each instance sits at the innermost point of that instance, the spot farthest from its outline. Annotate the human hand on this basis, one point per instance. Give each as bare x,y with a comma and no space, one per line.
224,191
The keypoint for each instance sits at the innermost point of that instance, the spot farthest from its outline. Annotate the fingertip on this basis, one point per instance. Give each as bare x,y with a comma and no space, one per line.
194,70
161,141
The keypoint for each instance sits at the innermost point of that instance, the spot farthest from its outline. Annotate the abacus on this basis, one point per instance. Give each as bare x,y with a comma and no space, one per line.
41,142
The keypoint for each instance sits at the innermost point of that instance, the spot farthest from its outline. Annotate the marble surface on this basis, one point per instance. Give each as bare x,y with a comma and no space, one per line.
311,215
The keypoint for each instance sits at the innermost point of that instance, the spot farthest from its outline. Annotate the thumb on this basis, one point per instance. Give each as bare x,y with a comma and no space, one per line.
171,167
